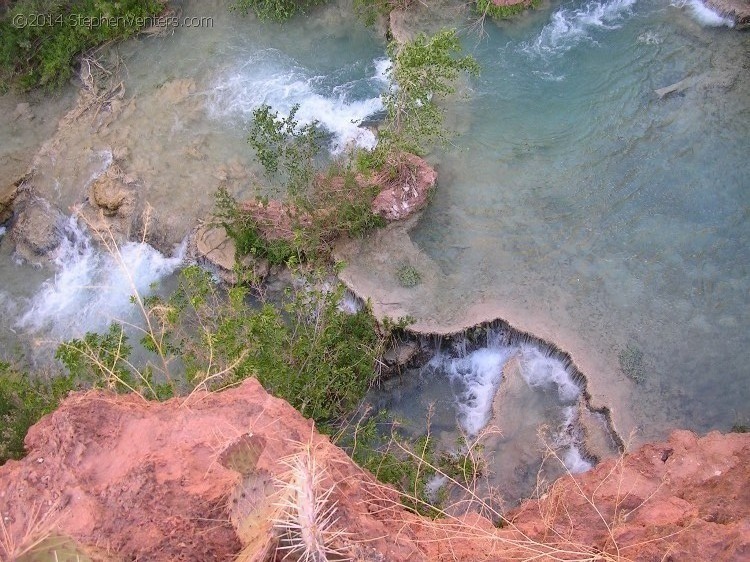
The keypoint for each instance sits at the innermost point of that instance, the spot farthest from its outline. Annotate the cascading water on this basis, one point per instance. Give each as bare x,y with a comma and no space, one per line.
510,393
703,14
91,287
339,104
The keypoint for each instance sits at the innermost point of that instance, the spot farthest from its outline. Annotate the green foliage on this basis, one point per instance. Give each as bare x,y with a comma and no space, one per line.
408,276
631,363
275,10
497,11
23,401
339,203
406,464
409,463
423,68
343,199
246,233
284,148
370,10
103,361
39,39
318,358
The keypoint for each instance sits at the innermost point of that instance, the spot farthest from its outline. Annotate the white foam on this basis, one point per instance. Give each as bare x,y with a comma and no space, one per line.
273,79
350,303
92,288
475,379
574,461
703,14
3,230
568,28
540,370
383,70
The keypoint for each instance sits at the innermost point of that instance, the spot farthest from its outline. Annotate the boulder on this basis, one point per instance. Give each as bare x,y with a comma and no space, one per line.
408,192
212,246
276,220
399,356
37,229
113,193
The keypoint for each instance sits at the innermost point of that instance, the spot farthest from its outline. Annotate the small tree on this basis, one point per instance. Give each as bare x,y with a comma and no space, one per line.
284,148
422,68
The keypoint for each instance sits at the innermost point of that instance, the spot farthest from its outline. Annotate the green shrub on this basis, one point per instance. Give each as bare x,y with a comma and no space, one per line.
496,11
423,68
24,399
408,276
318,358
275,10
631,363
39,39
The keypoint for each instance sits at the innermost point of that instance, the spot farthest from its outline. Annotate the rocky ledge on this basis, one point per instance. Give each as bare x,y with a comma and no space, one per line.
737,10
231,475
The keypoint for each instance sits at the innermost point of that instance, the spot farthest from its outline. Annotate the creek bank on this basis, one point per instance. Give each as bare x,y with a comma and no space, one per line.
737,10
204,475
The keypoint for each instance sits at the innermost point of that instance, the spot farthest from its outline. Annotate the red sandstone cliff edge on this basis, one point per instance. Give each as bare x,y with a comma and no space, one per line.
202,479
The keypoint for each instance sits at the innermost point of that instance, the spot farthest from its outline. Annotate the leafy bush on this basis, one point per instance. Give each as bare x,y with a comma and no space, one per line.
284,148
408,276
631,363
39,39
318,358
423,68
321,206
246,233
500,11
103,361
275,10
409,464
370,10
24,399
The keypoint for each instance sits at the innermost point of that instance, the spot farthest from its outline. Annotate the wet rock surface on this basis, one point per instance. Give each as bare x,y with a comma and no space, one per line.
36,229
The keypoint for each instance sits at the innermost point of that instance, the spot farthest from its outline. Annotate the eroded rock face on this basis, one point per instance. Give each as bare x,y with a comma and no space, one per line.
275,219
408,192
7,196
200,479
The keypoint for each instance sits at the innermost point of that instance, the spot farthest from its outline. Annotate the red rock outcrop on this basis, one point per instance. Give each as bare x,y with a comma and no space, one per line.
407,192
201,478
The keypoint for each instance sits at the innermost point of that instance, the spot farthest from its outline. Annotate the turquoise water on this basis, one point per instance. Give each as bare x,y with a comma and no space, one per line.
580,198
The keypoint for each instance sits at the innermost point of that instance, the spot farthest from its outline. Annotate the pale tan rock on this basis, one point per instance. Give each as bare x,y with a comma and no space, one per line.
215,246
